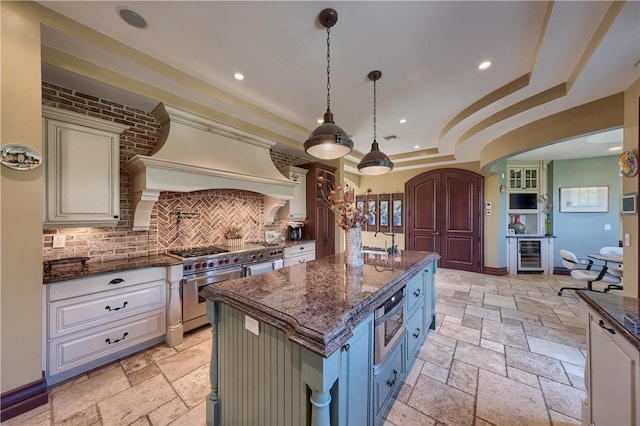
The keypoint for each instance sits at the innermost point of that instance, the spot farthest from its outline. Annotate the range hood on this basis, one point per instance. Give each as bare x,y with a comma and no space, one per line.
194,154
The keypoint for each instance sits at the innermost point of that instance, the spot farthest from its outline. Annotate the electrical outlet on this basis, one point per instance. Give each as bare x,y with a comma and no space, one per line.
58,241
487,212
607,227
627,240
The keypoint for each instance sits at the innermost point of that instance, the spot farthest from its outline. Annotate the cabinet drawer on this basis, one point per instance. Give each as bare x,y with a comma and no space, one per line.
300,249
389,378
416,331
299,258
75,350
79,313
415,292
98,283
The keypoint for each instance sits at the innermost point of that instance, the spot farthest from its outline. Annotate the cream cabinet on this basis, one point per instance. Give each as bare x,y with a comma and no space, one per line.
93,320
299,253
524,178
295,209
612,375
82,169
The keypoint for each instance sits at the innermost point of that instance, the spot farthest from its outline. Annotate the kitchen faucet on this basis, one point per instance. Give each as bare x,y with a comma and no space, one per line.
393,249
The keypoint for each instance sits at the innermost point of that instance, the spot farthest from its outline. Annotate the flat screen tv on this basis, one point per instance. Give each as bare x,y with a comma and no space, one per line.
523,201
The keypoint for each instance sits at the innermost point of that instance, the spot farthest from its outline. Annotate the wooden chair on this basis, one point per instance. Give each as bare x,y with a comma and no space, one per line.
589,272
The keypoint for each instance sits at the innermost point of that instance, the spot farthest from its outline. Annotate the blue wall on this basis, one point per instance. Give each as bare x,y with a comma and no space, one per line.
583,233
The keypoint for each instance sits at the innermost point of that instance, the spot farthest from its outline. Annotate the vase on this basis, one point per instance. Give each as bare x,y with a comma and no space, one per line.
517,226
353,247
547,225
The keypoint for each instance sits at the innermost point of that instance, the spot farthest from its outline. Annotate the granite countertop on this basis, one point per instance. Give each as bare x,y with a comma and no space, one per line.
73,271
622,313
318,303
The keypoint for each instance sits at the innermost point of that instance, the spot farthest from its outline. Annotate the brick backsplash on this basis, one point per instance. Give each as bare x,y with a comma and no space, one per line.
217,208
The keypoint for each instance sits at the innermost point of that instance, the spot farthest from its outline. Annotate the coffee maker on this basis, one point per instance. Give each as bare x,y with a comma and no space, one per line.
294,231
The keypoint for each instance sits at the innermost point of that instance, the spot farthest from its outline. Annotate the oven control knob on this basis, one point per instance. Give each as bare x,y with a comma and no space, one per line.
204,265
235,259
253,257
260,255
226,261
211,264
220,262
197,266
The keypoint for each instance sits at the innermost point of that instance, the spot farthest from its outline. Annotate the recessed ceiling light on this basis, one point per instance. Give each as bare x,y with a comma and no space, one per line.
416,147
238,76
484,65
132,18
615,148
403,120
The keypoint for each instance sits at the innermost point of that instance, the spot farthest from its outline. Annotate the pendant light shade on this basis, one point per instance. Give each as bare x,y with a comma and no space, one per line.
328,141
375,162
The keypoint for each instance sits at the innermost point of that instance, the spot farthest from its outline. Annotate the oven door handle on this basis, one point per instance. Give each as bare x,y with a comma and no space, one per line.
389,314
206,279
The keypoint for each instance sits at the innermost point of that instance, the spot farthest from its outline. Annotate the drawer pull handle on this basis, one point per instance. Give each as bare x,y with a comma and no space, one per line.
392,382
109,308
301,248
609,329
116,341
116,281
346,347
417,333
301,261
417,292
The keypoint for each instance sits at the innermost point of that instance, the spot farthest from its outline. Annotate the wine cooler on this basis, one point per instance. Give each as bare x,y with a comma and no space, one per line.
530,256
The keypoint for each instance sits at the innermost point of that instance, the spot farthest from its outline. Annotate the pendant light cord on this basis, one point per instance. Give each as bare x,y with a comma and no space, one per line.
328,69
374,110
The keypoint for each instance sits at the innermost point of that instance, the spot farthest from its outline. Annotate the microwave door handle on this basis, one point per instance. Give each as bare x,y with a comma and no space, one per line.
389,314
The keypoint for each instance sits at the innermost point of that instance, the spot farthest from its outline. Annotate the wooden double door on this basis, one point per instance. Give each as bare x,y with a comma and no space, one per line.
444,215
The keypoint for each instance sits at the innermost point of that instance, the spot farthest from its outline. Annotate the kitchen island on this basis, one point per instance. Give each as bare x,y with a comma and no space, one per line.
298,345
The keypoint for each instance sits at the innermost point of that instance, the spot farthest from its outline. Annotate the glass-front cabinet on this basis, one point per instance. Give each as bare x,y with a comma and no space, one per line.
524,178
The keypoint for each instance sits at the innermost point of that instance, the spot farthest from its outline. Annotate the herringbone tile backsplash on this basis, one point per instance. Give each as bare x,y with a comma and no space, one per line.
206,215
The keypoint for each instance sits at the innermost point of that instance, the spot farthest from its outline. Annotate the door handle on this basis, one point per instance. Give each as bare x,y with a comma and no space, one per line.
436,233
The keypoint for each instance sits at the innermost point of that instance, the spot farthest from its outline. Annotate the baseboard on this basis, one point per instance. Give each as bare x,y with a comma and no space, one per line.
23,399
561,271
488,270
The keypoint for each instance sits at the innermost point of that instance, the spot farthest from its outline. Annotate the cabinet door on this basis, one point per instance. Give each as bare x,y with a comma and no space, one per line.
298,206
83,175
355,376
612,373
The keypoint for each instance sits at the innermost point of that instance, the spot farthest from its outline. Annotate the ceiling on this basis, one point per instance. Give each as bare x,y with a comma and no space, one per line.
428,53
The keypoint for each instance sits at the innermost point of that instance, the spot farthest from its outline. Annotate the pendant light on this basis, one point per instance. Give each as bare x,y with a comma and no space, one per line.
375,162
328,141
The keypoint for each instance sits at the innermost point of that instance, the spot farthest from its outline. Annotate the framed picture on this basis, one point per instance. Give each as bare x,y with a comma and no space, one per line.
371,208
384,219
584,199
396,213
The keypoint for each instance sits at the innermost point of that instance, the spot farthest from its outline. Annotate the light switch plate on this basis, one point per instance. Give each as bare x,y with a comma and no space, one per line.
487,212
607,227
627,240
58,241
252,325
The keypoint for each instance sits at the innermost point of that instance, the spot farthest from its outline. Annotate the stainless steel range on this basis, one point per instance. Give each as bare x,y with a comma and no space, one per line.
208,265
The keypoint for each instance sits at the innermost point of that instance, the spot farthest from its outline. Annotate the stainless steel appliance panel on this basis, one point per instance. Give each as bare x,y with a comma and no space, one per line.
194,306
389,325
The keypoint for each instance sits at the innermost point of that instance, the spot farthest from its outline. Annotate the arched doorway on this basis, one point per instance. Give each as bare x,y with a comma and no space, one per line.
444,215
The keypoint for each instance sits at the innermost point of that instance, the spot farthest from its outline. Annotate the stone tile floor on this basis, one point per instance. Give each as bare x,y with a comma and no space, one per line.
506,351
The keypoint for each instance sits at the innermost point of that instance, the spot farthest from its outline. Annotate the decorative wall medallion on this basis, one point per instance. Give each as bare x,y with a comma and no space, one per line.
628,163
19,157
503,189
